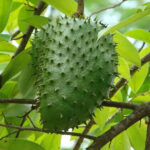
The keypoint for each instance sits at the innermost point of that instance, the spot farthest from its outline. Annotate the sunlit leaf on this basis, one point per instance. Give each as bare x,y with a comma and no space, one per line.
139,77
137,135
126,49
123,68
139,34
5,37
4,58
50,141
36,21
7,47
68,7
5,8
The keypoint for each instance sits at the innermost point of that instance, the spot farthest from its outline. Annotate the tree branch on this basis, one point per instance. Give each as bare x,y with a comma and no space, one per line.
147,145
110,7
119,104
80,11
18,101
141,111
46,131
85,131
15,34
38,11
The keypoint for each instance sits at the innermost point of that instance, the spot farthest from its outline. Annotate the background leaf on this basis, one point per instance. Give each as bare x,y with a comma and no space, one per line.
139,34
126,49
68,7
5,7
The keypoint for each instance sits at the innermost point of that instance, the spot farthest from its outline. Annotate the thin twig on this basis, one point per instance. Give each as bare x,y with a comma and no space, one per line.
143,44
38,11
85,131
23,121
31,121
80,11
46,131
147,145
17,38
7,135
15,34
110,7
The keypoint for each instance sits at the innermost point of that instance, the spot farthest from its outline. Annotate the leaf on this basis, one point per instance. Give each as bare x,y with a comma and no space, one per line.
50,141
139,77
19,144
26,81
5,37
144,97
4,58
126,49
24,13
137,134
5,8
117,96
139,34
7,47
98,116
36,21
123,68
125,22
121,142
15,65
67,7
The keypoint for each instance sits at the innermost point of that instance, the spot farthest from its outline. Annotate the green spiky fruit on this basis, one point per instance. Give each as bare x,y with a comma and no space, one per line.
74,71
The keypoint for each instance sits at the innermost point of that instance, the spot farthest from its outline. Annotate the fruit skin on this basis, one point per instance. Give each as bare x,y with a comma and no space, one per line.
74,71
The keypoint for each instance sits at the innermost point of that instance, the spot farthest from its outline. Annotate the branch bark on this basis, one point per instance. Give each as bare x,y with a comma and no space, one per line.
18,101
147,145
141,111
80,11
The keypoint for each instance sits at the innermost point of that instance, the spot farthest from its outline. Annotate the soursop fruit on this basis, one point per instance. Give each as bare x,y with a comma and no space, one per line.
74,70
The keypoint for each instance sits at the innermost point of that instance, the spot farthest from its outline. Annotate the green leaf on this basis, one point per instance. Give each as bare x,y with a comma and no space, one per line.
5,8
15,65
117,96
67,7
139,34
139,77
26,82
125,22
4,58
98,116
19,144
5,37
37,21
123,68
121,142
24,13
126,49
137,134
7,47
50,141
